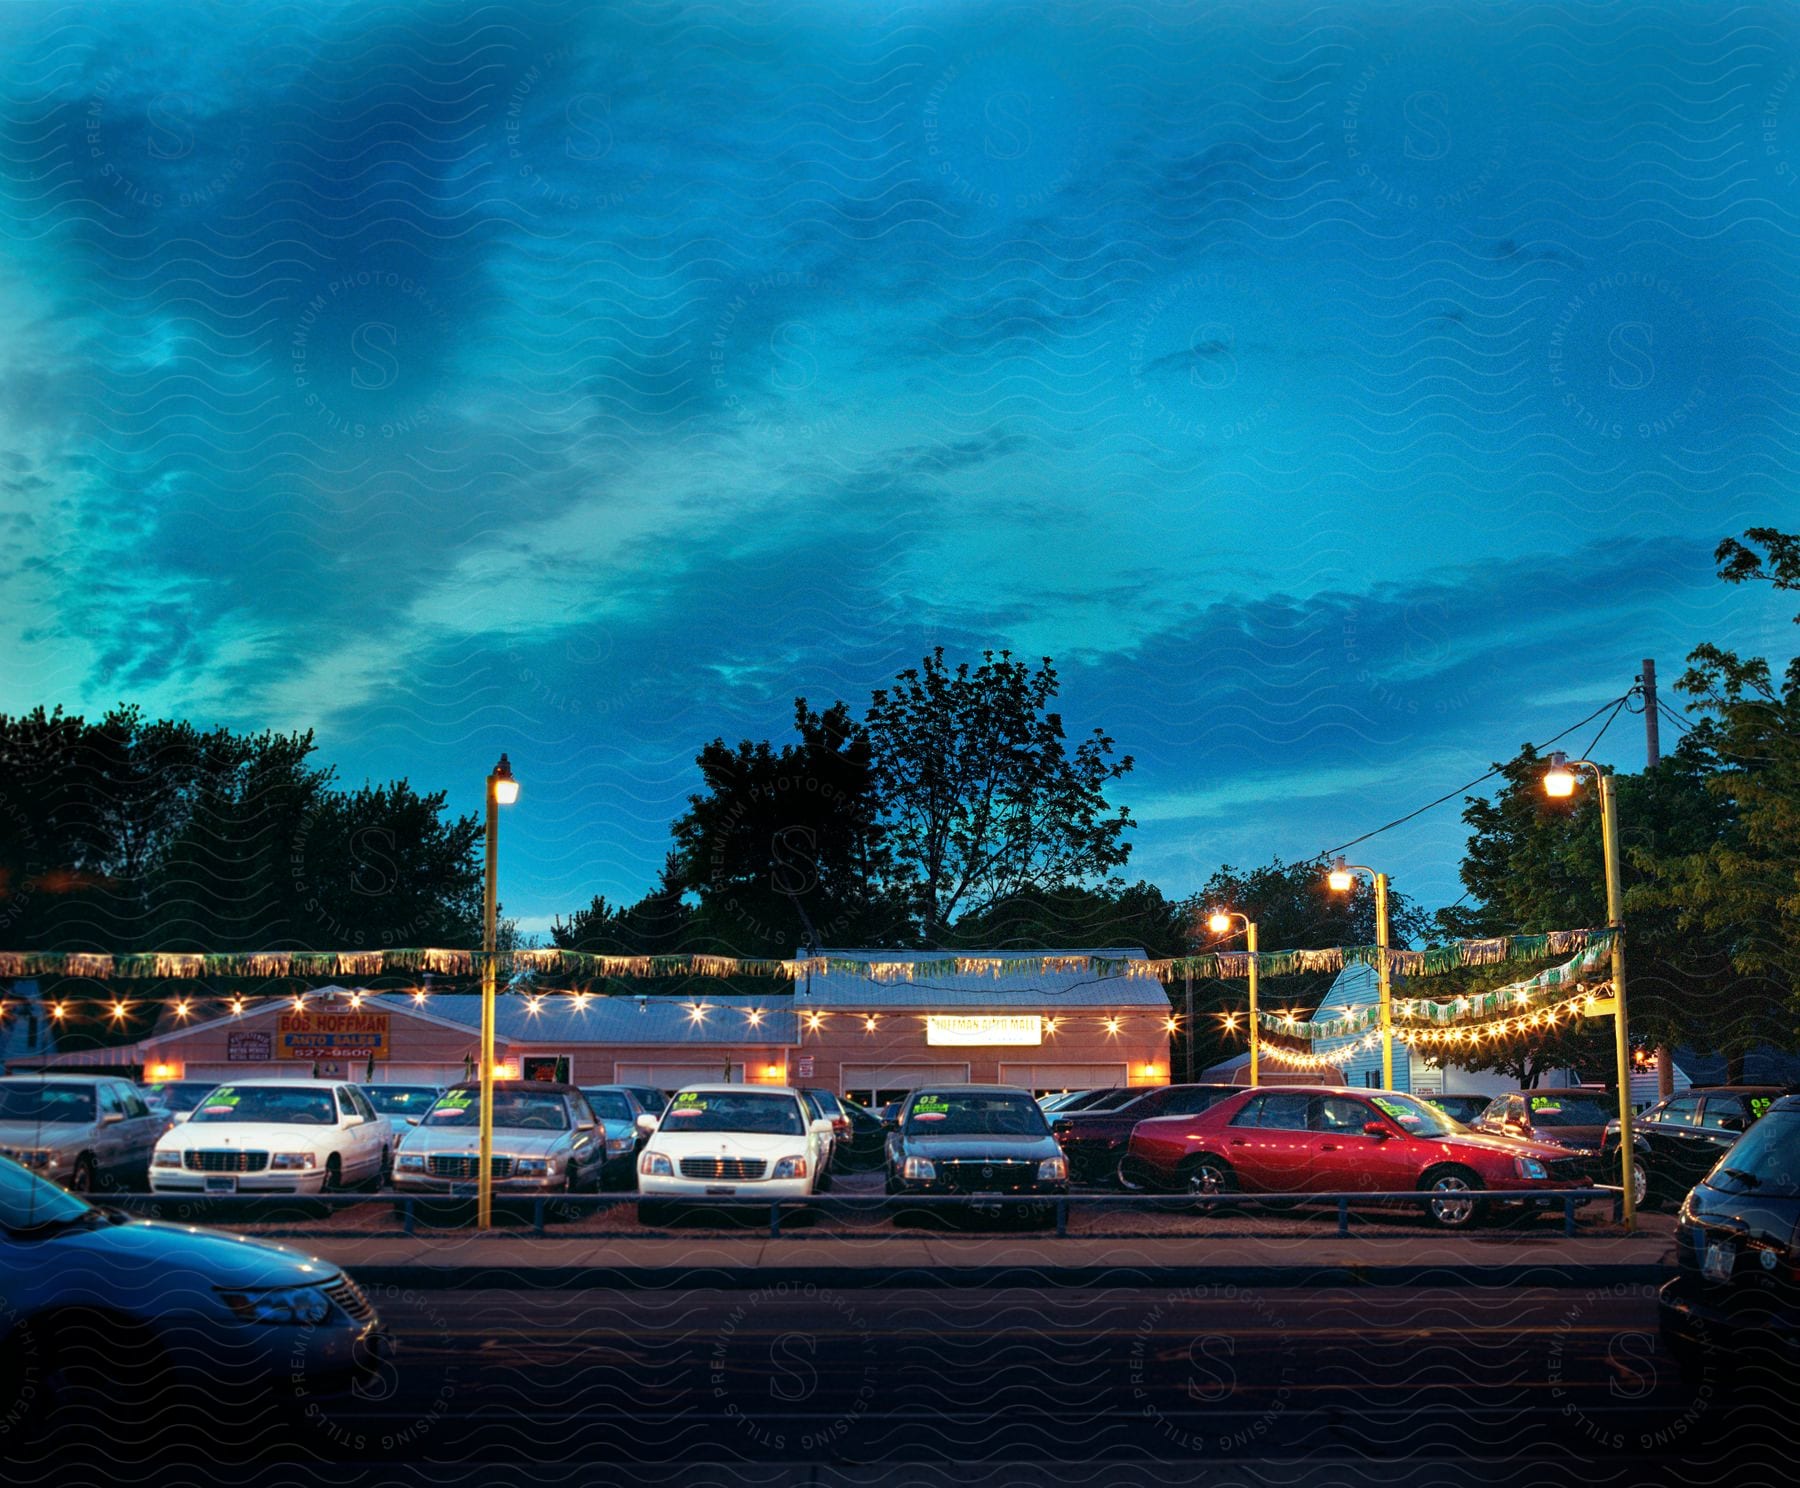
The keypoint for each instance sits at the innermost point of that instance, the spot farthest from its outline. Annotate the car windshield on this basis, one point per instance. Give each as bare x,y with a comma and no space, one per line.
401,1100
517,1110
1567,1110
1109,1100
27,1201
1418,1119
279,1105
1766,1159
934,1115
609,1105
41,1103
734,1111
181,1095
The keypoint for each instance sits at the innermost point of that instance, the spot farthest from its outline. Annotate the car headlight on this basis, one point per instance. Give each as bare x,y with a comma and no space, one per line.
40,1157
1530,1167
534,1167
412,1162
620,1144
790,1167
303,1304
1053,1170
918,1168
288,1161
166,1160
655,1165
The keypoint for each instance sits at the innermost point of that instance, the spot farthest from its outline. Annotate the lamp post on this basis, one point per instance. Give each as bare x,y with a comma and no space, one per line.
502,790
1220,924
1560,782
1341,879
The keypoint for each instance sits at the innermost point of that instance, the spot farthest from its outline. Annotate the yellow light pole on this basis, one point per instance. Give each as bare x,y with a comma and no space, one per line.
1560,782
1220,924
1341,879
502,790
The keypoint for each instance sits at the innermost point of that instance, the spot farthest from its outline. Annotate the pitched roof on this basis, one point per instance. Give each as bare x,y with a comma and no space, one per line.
622,1020
978,987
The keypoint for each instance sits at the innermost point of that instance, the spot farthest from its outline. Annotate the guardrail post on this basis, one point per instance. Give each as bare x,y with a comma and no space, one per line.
1343,1215
406,1216
1569,1215
1062,1218
537,1215
774,1219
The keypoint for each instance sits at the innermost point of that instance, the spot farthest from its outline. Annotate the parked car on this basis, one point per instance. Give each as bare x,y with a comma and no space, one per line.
1676,1142
181,1305
1574,1118
1737,1281
1094,1141
85,1132
403,1105
868,1138
651,1099
990,1141
176,1097
275,1136
1464,1108
723,1142
827,1104
546,1140
1299,1140
617,1108
1096,1100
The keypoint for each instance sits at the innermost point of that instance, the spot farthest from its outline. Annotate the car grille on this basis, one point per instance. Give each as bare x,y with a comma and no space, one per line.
348,1295
723,1167
987,1177
467,1165
1573,1172
224,1160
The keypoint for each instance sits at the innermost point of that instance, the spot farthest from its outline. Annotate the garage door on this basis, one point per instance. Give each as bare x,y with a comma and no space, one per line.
902,1076
674,1076
1042,1077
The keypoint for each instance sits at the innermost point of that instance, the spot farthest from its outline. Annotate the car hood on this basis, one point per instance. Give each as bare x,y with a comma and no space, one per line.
263,1136
154,1255
28,1135
512,1140
1509,1146
1572,1138
729,1144
1007,1148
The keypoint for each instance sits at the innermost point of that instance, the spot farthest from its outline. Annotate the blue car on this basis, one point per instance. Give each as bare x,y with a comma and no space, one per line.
96,1308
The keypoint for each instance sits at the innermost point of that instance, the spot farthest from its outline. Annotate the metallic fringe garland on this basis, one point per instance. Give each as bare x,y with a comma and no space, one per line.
1221,965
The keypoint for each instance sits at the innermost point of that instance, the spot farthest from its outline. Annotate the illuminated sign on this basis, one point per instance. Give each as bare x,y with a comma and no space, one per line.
315,1035
253,1047
953,1031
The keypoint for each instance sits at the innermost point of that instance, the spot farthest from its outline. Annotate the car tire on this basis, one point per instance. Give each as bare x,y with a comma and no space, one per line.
1642,1194
81,1177
103,1365
334,1175
1207,1173
1133,1175
1460,1210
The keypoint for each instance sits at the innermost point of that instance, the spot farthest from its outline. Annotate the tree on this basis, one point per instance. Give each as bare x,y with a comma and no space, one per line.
659,924
981,797
1076,916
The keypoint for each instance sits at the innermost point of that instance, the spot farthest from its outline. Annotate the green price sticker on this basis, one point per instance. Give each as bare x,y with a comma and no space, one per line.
225,1095
1545,1103
1760,1104
1399,1112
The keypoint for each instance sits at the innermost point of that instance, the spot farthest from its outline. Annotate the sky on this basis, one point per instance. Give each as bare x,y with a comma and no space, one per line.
1342,395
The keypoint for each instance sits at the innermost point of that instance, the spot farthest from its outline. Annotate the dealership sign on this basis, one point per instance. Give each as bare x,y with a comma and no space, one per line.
1013,1029
316,1035
254,1047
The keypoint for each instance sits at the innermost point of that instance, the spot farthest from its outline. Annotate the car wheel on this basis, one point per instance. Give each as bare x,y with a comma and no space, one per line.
1133,1175
334,1175
107,1366
1206,1175
1640,1186
81,1179
1458,1209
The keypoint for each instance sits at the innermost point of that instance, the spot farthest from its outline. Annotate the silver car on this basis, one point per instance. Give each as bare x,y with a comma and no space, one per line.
546,1139
86,1132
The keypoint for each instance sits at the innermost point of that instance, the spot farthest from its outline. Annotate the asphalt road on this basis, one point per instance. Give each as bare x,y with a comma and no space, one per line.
808,1375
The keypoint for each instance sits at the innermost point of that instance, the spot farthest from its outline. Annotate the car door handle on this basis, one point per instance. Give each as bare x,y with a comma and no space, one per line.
1238,1142
1328,1146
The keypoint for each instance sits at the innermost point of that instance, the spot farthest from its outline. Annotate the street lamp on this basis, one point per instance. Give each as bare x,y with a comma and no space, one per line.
1341,878
1220,924
502,790
1560,781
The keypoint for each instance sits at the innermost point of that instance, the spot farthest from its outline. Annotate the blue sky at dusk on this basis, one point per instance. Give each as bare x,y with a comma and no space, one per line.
1341,395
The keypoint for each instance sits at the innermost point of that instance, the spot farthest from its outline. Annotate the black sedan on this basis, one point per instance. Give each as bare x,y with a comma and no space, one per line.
1676,1142
867,1143
1095,1140
1737,1284
1463,1108
988,1142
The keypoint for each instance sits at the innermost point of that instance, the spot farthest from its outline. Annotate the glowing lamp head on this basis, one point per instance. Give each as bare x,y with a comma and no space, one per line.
1559,779
1340,877
506,789
1218,922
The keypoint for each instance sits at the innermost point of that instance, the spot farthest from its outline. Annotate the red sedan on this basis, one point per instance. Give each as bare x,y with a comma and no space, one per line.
1295,1140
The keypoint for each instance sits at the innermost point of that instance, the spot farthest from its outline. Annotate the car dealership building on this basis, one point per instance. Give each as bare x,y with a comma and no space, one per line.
905,1023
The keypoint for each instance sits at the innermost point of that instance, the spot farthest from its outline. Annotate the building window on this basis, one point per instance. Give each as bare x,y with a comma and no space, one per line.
1371,1079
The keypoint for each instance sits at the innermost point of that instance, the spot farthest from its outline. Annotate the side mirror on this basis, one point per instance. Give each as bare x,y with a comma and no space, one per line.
823,1125
179,1117
111,1118
1376,1129
412,1120
647,1124
353,1120
890,1123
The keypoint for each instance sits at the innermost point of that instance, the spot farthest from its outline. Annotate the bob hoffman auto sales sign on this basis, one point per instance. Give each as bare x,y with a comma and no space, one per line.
959,1031
318,1035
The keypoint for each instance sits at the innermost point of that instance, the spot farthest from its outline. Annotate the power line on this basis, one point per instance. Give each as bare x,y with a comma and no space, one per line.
1588,753
1614,703
1674,717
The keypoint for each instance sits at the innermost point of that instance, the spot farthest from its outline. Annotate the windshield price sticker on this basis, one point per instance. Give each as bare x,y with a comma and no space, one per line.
222,1102
1545,1103
451,1104
1400,1113
930,1108
1759,1104
688,1104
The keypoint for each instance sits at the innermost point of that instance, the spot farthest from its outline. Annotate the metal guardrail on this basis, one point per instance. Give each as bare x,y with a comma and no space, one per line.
541,1210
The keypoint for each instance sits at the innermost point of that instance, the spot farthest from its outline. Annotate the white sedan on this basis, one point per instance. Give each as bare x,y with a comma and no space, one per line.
274,1136
731,1142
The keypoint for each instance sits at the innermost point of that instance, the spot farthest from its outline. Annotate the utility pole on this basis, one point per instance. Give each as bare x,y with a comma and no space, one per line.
1187,982
1665,1061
